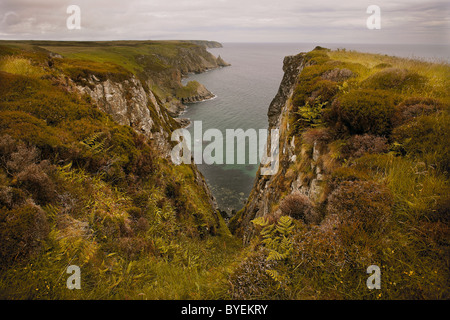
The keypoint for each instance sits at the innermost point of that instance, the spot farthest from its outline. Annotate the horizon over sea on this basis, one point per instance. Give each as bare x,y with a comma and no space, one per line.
244,92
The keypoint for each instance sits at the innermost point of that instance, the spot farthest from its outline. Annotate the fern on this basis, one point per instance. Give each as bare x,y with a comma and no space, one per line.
276,237
94,144
275,275
52,213
311,115
285,225
260,221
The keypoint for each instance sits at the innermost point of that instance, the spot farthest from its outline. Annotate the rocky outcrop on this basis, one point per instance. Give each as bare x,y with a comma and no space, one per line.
292,66
126,102
222,62
196,93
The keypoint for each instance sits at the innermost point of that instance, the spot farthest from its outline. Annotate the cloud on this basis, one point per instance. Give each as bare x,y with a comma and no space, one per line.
403,21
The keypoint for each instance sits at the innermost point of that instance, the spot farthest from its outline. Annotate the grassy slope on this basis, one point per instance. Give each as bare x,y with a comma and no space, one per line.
122,53
382,129
77,188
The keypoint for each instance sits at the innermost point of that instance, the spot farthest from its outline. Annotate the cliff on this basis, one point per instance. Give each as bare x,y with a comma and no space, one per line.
361,156
158,65
206,43
85,170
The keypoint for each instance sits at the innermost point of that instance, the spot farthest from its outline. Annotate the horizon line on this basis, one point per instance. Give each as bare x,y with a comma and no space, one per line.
241,42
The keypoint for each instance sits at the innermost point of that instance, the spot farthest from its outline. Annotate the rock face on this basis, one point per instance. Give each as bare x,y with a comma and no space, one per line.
126,102
129,104
292,66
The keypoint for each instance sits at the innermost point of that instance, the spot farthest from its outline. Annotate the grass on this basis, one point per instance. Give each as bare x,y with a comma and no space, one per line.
437,73
127,54
20,66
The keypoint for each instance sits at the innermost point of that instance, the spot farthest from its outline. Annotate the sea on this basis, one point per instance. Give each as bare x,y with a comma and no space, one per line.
243,92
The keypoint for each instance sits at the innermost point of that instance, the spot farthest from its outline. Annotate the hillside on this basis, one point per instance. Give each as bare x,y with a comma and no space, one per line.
86,177
363,180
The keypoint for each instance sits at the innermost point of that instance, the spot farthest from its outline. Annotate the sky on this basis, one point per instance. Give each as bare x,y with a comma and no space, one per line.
312,21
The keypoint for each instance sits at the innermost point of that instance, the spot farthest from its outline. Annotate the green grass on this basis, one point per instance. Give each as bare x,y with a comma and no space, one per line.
20,66
136,57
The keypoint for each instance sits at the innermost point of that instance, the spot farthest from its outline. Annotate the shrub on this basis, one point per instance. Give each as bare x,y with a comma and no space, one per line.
338,75
324,90
35,180
322,136
309,81
51,105
364,111
394,79
427,138
22,230
142,165
7,146
363,209
414,107
298,206
250,279
358,145
16,86
11,197
22,126
28,174
22,157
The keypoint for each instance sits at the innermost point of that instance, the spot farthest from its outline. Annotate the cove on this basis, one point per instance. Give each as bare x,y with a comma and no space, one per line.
243,93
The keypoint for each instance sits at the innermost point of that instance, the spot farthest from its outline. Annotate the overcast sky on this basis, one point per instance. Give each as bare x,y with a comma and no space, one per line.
326,21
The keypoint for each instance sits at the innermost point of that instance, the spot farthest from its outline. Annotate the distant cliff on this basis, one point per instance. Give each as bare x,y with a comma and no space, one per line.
206,43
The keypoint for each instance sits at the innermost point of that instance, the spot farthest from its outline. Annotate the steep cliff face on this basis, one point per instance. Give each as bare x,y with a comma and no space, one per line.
128,103
292,66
